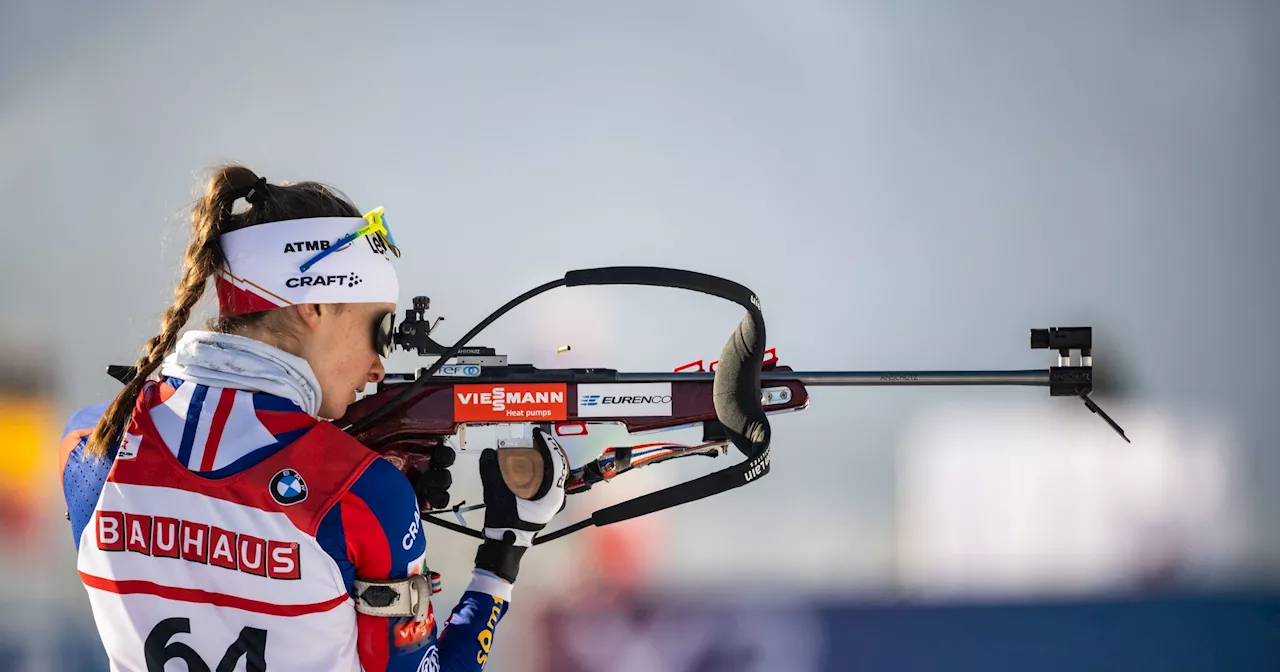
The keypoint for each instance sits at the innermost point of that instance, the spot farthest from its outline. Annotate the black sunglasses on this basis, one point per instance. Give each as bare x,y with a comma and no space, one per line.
383,335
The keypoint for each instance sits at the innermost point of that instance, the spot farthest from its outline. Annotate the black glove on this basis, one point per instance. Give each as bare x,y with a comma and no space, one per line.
510,521
427,468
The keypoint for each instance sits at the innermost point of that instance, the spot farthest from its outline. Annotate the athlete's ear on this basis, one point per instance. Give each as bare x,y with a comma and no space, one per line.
309,313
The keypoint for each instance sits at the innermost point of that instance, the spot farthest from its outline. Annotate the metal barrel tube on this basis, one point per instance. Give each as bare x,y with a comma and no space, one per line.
1028,377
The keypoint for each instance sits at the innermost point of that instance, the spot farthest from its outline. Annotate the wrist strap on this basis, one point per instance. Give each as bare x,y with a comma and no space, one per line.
500,557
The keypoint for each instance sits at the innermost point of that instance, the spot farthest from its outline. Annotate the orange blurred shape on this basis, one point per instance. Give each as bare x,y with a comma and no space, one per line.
27,438
621,555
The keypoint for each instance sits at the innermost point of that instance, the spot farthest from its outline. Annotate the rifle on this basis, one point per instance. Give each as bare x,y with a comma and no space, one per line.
731,399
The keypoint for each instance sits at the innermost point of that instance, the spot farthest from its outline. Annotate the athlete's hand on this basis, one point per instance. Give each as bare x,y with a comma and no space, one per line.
510,521
427,468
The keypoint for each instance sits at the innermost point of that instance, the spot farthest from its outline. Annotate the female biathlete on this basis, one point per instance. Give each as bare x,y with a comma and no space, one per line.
221,522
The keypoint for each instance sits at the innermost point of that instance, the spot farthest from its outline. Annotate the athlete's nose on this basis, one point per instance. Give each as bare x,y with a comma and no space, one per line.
378,372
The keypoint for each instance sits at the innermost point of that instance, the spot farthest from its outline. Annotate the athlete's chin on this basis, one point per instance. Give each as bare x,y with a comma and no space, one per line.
333,412
333,405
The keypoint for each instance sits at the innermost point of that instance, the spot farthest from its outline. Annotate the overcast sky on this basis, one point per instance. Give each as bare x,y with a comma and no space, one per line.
904,184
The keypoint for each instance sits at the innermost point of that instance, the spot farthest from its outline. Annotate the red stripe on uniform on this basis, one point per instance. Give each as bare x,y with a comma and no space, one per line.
225,401
166,391
206,597
368,550
279,422
367,544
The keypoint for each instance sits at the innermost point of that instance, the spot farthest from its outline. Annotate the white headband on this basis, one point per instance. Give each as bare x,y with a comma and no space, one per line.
262,267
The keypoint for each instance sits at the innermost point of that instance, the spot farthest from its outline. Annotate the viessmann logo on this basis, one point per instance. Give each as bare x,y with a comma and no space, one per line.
498,403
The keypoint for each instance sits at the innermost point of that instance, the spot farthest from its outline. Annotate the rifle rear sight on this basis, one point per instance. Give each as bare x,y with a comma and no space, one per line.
414,333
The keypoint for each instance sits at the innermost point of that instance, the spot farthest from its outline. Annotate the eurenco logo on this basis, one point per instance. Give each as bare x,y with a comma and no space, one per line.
624,400
593,399
497,403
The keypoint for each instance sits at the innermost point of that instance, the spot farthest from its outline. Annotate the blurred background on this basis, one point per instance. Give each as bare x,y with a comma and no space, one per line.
906,185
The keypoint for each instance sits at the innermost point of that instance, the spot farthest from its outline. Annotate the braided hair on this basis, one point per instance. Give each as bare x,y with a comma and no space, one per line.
211,216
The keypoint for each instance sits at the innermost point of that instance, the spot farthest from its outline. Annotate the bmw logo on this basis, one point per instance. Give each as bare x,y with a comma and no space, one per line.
288,488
